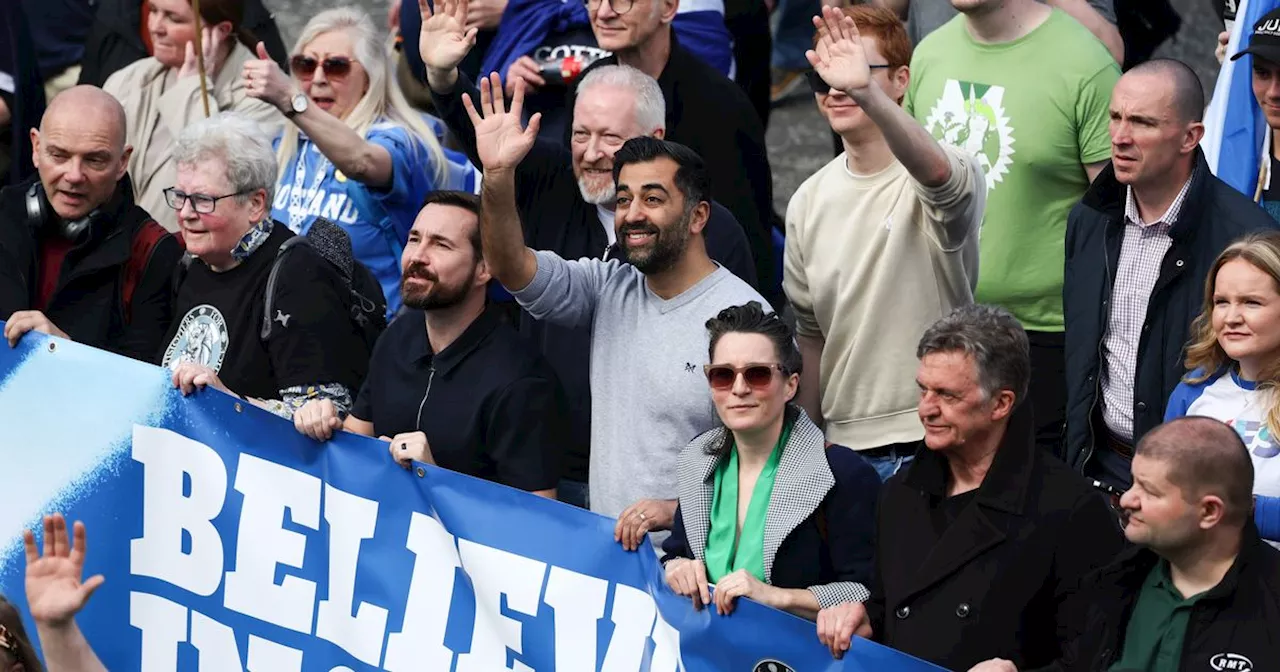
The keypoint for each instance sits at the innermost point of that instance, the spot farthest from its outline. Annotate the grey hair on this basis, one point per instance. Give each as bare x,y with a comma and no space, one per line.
651,107
995,340
239,143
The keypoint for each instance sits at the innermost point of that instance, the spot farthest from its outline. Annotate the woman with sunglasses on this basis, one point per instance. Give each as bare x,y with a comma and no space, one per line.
162,95
354,152
767,510
1233,359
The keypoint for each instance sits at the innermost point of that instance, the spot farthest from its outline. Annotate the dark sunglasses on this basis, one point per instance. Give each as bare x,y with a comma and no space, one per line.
820,85
723,376
335,67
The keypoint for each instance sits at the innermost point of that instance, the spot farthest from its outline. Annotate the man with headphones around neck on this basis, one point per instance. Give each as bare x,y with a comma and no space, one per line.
79,259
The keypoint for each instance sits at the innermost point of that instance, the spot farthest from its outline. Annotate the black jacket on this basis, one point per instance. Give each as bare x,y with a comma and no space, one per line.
555,218
1233,627
711,115
88,303
114,42
1212,216
820,524
26,102
999,579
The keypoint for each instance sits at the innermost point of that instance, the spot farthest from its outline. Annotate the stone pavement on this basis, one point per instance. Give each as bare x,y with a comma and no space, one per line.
799,140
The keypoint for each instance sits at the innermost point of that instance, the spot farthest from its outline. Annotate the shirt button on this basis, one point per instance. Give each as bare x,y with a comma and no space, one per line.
1142,406
963,610
902,612
1178,263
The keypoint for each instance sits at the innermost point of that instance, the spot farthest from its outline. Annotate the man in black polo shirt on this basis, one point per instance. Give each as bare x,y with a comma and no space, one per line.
464,393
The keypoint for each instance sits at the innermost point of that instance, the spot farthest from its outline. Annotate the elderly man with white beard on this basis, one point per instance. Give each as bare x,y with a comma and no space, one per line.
566,199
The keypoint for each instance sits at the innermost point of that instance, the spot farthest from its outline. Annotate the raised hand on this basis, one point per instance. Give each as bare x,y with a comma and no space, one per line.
445,39
55,592
211,44
838,56
500,141
264,80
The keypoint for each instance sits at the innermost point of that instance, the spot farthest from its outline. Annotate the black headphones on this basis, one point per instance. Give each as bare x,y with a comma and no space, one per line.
40,214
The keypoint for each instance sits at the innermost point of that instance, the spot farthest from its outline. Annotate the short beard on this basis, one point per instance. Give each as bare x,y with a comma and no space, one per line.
439,297
604,196
666,252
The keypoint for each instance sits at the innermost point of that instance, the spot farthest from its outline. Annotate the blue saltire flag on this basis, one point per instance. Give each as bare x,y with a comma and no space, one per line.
1234,124
231,542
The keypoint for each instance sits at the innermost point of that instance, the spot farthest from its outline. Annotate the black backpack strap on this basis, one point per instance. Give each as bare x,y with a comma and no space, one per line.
269,299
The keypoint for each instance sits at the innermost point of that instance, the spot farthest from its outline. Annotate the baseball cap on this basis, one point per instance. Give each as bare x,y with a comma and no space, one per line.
1265,41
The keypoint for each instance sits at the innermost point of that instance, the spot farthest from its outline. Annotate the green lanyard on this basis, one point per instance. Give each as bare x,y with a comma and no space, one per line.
726,552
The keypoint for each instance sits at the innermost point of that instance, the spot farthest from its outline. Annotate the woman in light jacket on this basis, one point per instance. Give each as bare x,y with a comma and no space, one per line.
353,152
161,94
767,510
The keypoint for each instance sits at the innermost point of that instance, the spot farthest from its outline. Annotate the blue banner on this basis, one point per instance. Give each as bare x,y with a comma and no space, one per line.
231,542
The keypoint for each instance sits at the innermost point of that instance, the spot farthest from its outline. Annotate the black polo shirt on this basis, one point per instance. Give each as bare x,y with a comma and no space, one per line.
490,405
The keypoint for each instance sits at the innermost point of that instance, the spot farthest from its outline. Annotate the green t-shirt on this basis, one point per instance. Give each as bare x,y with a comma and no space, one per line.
1033,111
1157,626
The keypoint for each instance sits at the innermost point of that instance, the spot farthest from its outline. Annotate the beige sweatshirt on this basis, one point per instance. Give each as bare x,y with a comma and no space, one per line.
871,262
158,105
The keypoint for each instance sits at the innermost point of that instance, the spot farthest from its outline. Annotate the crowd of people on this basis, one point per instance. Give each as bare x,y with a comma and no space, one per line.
997,390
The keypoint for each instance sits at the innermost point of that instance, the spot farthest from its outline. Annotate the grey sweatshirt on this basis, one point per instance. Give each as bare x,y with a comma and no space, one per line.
649,395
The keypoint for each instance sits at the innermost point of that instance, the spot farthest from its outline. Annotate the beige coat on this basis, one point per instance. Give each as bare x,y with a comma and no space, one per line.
158,107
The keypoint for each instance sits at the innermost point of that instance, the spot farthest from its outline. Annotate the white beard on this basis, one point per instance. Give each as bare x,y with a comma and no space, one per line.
599,196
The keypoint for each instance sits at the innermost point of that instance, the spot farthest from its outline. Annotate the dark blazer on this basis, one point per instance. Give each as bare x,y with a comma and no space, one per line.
1233,624
711,115
88,303
1213,216
820,523
998,580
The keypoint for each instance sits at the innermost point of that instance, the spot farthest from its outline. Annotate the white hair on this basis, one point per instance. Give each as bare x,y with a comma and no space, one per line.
651,107
383,100
239,143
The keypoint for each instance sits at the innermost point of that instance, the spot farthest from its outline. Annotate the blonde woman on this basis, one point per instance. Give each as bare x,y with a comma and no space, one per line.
161,94
1234,354
353,151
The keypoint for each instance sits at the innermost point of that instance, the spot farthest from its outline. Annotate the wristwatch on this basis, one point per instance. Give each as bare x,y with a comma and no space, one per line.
297,105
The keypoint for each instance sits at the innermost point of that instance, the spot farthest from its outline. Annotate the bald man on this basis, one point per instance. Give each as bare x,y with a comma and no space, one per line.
1138,247
1199,590
78,258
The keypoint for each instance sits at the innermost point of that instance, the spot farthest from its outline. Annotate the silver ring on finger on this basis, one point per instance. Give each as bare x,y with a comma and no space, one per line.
642,516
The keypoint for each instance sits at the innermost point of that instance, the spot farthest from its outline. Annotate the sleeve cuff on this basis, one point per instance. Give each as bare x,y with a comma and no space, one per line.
831,594
541,279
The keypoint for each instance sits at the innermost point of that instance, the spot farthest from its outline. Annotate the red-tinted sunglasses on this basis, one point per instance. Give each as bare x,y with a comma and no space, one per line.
335,67
723,376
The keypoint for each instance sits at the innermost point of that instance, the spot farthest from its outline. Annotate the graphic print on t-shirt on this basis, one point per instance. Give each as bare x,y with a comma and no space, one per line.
1256,436
201,339
971,117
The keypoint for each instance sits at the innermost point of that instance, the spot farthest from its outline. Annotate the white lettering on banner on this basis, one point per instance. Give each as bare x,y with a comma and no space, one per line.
170,461
578,601
419,646
185,486
262,543
496,573
351,520
163,624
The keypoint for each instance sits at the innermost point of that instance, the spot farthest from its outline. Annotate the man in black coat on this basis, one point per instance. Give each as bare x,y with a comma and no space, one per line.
1138,247
78,258
706,112
115,40
21,95
1199,590
981,542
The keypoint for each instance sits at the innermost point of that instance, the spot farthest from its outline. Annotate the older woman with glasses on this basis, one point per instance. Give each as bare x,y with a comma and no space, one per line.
305,346
767,510
354,152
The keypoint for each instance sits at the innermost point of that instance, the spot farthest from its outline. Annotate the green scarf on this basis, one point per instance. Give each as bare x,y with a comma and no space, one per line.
726,552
